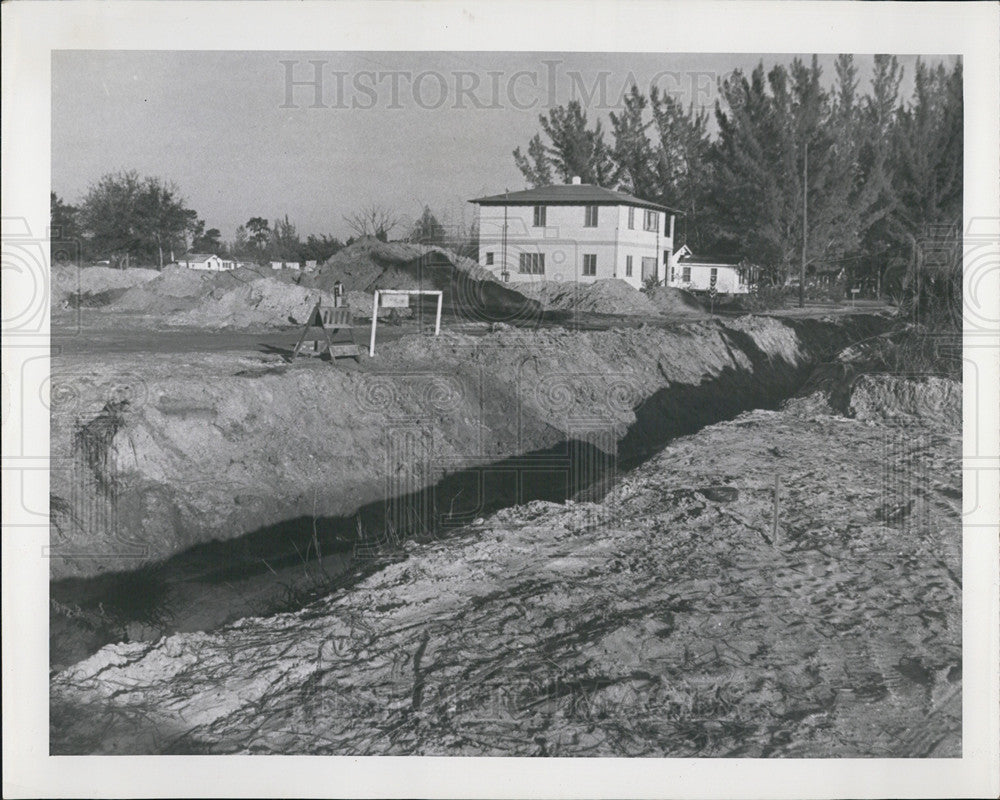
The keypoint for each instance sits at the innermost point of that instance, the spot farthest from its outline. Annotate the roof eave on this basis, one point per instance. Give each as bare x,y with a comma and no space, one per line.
491,201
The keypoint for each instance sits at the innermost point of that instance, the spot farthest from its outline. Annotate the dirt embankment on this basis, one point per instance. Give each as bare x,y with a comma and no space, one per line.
75,286
611,296
680,617
467,288
157,455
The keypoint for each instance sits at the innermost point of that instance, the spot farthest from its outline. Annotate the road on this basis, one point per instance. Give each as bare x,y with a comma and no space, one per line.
89,331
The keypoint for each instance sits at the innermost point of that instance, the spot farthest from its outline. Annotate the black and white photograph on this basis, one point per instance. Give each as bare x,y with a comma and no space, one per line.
523,405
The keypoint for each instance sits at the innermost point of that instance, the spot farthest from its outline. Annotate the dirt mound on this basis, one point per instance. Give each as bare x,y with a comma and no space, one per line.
674,301
610,296
369,264
263,302
360,304
69,282
898,397
179,289
873,379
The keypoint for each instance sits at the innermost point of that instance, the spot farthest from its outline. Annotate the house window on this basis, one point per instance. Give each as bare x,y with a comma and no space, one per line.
673,274
590,217
631,218
650,221
686,275
628,265
664,258
532,264
539,216
590,264
714,277
489,259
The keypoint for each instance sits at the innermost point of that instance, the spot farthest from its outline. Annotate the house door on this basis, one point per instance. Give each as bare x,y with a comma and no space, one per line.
648,268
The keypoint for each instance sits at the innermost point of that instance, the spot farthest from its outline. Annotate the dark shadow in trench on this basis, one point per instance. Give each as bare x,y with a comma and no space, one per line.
585,466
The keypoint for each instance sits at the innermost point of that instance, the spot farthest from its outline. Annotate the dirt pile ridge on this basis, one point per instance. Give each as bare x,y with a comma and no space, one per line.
69,281
263,302
873,379
369,264
928,398
665,621
608,296
178,289
670,300
360,304
210,448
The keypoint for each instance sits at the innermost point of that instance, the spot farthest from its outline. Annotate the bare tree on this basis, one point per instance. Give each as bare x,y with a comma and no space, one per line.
373,220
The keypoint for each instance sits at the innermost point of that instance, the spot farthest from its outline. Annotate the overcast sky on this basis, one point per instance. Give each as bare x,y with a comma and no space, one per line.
397,129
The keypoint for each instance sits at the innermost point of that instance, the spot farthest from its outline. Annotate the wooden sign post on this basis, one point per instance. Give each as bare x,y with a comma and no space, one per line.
400,298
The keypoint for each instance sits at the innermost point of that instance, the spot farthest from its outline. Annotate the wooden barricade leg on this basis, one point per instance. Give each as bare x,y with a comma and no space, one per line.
315,321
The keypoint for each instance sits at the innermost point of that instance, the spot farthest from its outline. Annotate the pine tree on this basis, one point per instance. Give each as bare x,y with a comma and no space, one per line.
751,182
536,166
633,152
428,230
928,181
574,150
682,166
876,131
929,151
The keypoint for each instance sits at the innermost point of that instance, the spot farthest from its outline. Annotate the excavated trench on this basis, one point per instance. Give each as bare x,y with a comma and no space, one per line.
694,376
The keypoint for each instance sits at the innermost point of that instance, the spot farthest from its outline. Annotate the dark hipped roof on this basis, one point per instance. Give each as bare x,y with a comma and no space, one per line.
575,194
713,260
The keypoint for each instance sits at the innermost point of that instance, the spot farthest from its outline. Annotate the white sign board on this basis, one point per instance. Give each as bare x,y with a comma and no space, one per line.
395,300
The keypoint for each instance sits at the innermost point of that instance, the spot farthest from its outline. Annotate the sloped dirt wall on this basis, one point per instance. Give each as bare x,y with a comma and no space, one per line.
155,455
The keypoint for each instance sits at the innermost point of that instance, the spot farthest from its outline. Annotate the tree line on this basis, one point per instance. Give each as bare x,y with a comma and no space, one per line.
130,220
880,175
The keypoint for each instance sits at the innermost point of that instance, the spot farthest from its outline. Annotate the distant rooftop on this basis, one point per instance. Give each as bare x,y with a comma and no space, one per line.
576,194
711,260
197,256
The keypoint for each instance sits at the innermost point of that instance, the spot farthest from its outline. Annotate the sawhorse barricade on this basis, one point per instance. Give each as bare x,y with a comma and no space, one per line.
324,321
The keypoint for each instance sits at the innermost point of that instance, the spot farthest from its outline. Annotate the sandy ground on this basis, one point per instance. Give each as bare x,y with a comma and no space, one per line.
678,617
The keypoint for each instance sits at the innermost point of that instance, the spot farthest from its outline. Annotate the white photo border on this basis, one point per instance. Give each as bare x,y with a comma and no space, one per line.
32,30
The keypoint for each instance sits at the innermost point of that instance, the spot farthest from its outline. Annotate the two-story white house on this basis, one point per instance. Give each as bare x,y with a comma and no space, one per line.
575,232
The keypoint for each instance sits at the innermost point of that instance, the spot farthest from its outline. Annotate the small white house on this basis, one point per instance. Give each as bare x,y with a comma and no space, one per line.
702,274
284,265
206,261
575,232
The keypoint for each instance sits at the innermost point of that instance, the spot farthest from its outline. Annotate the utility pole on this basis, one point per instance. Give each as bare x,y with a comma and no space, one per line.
505,270
805,229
